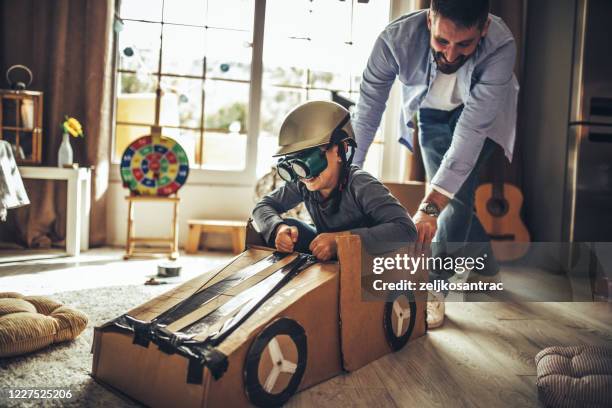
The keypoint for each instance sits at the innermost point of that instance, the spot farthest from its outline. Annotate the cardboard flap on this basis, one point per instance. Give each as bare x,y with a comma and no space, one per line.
253,237
362,337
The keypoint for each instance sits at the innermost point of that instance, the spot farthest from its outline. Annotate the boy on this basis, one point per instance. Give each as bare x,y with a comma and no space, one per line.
315,138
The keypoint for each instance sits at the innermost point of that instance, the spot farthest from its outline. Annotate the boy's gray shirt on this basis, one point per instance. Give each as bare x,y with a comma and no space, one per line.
367,209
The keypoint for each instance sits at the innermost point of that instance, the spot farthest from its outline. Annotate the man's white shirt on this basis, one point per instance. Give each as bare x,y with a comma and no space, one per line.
444,93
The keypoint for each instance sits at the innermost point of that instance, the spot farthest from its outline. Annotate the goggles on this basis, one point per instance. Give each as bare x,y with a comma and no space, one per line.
306,164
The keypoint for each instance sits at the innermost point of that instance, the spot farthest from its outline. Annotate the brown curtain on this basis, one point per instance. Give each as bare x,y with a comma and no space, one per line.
68,46
512,12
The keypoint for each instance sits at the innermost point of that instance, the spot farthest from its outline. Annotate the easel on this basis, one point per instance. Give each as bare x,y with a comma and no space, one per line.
132,240
173,253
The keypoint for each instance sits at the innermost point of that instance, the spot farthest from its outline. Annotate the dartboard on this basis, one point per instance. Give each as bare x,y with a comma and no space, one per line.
154,168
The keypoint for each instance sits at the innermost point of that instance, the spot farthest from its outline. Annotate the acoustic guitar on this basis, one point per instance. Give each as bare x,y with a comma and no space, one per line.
498,206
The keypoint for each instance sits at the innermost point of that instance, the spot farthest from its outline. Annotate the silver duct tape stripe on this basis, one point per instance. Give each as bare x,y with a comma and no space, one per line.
199,299
219,323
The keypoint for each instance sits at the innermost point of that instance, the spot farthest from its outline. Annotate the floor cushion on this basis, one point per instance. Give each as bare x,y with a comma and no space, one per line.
578,376
29,323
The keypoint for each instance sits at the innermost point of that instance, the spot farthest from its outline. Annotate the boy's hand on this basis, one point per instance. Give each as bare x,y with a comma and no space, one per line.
286,237
324,247
426,227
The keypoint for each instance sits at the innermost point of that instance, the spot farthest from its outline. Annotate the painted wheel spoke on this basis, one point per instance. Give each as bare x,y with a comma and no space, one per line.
275,351
402,314
288,367
272,378
400,324
397,308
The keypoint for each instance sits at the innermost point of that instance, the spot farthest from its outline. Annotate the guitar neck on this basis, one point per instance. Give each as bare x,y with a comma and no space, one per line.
498,190
499,175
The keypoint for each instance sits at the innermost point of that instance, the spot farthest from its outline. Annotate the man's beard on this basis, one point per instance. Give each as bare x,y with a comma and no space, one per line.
448,68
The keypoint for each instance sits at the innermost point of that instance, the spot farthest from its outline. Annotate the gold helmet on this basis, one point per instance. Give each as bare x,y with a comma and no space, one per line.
314,123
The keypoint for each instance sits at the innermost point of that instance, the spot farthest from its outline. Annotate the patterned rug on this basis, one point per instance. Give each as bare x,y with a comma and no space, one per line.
68,365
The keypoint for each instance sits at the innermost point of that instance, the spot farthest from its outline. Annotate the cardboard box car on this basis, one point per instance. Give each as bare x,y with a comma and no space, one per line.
241,335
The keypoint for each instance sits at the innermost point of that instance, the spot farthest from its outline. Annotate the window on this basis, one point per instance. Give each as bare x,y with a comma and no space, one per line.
311,48
200,53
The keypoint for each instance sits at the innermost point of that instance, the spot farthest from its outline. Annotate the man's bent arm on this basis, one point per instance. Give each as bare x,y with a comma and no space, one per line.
487,99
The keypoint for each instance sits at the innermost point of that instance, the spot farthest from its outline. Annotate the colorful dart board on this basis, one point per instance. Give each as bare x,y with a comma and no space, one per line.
157,167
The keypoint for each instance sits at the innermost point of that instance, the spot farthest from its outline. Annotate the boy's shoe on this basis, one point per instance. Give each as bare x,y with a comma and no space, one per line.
435,310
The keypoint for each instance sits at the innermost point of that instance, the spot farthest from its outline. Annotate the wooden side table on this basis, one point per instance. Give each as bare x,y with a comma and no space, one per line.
236,229
78,201
131,248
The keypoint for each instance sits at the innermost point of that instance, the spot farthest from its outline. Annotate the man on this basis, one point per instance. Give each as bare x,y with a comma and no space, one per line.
455,62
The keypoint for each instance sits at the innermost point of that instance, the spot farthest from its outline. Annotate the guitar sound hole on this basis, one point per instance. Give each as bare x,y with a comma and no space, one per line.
497,207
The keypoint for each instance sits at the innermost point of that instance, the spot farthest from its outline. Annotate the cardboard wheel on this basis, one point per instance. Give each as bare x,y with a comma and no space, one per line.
275,363
399,318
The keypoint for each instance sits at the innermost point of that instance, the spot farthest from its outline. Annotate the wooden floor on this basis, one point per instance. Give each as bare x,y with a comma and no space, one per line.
483,356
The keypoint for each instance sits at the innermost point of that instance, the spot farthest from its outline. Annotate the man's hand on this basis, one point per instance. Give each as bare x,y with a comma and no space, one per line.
286,237
324,247
427,225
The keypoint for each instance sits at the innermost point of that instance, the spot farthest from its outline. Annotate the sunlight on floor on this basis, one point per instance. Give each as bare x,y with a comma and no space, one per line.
97,268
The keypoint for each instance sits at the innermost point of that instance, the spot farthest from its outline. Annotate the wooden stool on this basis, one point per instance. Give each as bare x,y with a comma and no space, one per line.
172,241
237,229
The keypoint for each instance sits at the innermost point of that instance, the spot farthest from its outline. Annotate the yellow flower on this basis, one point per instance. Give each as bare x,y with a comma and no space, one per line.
72,126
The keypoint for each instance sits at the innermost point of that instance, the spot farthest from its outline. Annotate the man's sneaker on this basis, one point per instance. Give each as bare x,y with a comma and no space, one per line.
435,310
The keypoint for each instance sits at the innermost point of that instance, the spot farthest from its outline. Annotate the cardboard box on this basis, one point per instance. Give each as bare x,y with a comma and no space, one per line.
409,194
311,329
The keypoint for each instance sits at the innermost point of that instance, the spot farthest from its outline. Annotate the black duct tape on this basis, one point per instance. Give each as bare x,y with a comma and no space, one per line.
216,362
195,371
167,341
213,359
199,354
142,331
